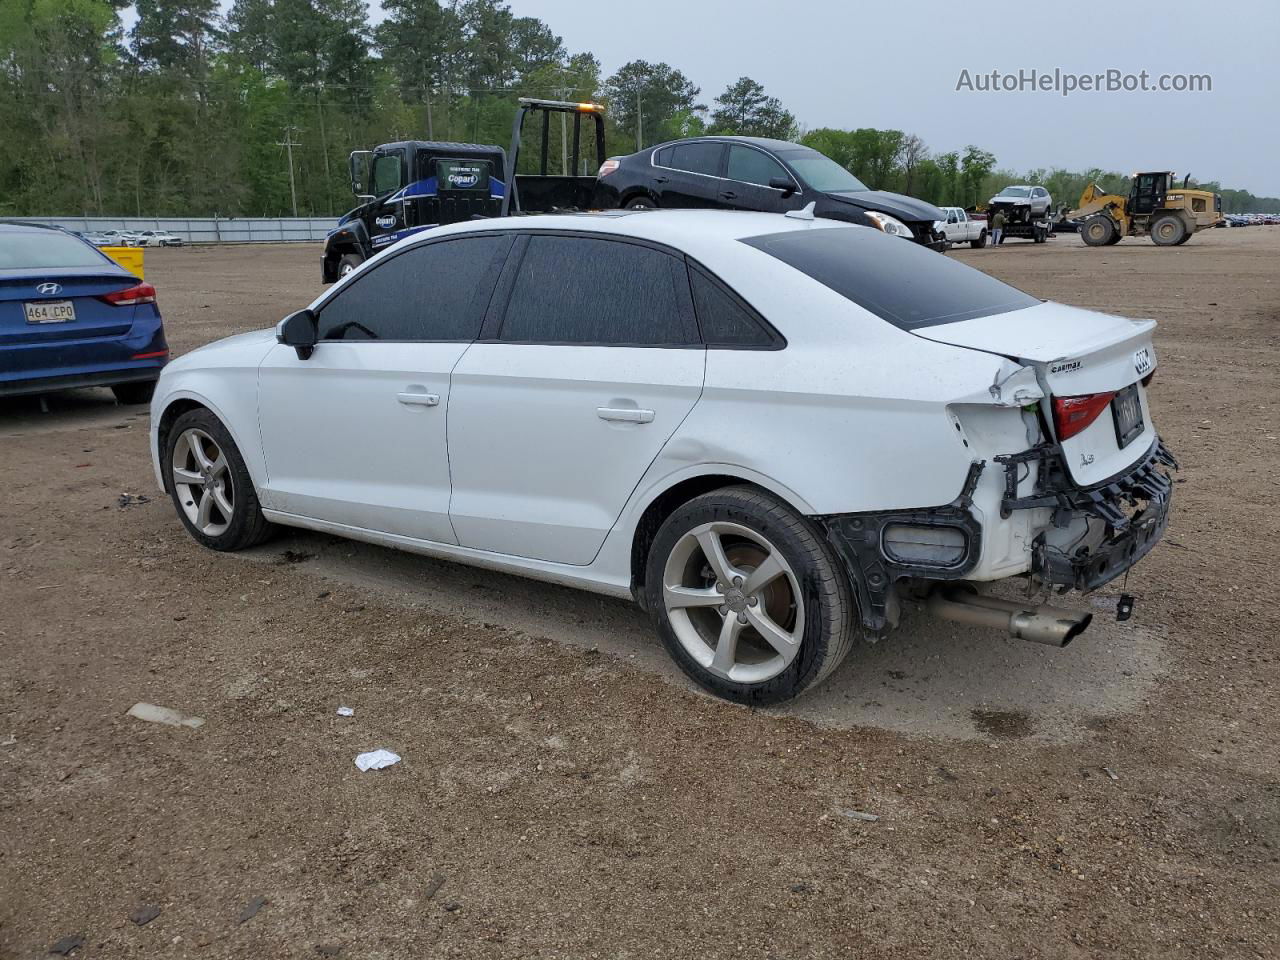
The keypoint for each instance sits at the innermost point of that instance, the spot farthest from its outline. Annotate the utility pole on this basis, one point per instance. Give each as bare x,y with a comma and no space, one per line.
289,143
639,122
431,129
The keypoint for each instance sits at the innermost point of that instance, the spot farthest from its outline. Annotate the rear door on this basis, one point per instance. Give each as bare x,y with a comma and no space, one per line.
690,174
355,434
748,172
585,370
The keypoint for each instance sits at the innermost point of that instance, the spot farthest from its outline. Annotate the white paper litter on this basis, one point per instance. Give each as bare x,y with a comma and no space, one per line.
377,759
153,714
346,712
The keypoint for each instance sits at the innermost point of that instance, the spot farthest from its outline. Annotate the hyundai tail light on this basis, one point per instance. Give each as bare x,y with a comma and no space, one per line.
130,296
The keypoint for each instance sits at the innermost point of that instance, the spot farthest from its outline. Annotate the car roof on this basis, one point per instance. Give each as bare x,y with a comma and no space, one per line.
22,226
678,228
765,142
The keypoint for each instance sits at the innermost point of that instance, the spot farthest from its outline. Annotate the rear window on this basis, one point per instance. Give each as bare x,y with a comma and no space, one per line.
899,281
41,249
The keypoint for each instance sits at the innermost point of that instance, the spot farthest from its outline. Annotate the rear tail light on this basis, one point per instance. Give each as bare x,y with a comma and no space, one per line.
1073,414
608,167
130,296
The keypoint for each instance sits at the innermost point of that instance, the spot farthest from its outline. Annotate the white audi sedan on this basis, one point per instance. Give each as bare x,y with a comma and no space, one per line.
768,429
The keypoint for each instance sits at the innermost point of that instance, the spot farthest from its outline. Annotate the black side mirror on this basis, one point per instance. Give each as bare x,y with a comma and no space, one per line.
299,330
785,184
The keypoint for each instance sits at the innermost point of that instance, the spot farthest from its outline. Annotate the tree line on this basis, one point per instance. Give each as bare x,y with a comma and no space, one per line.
189,112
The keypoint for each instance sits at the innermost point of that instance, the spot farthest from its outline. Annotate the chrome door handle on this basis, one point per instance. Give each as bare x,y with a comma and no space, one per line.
624,414
420,399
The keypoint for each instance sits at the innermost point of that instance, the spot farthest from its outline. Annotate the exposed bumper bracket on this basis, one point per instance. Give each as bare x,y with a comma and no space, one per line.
857,539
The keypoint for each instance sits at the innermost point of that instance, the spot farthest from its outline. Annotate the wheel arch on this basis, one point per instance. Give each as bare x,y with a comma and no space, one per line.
182,401
636,192
664,498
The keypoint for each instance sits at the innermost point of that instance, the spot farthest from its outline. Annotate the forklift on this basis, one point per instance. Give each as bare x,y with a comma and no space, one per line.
1155,206
409,186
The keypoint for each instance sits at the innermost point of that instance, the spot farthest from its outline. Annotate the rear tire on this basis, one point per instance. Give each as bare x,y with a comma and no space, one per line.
210,485
1098,231
748,597
980,242
1168,231
131,393
641,203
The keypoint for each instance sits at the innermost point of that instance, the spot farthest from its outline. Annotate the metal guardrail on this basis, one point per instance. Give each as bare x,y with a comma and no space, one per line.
204,229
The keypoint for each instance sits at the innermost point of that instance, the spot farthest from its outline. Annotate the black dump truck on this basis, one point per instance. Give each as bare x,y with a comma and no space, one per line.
414,185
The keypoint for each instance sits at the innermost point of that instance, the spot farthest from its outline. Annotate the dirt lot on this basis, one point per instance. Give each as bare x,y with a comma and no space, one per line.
563,793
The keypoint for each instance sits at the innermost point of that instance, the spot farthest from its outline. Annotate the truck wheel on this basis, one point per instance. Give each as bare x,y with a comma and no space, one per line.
980,242
641,203
748,597
1098,231
1183,240
1168,230
1115,239
348,263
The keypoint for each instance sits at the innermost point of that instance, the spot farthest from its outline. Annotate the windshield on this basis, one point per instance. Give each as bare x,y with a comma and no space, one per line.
40,249
821,172
901,282
1015,192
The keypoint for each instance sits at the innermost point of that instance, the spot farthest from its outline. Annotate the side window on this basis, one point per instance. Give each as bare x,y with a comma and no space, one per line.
386,174
749,165
725,320
700,156
584,290
663,157
433,292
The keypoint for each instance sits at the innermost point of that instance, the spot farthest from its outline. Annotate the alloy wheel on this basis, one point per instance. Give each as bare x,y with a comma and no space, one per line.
733,602
202,479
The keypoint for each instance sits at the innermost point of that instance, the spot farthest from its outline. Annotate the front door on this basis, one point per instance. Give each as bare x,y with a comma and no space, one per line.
747,177
355,434
580,379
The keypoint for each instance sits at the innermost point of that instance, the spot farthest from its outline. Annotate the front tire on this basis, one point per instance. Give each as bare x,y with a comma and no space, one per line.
1098,231
348,263
748,597
210,485
641,203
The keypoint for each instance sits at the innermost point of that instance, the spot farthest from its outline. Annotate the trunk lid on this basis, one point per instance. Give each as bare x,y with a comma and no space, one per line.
1074,353
94,318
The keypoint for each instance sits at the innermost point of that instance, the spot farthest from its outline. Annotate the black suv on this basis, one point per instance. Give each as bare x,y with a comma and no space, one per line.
752,173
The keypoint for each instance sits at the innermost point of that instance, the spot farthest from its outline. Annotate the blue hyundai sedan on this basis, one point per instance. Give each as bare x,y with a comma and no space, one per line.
72,317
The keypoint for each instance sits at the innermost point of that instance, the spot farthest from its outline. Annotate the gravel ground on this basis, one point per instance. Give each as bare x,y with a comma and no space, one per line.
563,792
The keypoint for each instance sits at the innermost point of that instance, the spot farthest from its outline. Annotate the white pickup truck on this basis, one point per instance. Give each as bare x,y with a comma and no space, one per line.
960,229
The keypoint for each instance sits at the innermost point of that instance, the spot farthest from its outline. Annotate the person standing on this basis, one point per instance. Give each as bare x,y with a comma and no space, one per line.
997,228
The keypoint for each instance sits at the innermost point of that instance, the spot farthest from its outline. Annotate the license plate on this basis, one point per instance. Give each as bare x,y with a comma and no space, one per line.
50,311
1127,409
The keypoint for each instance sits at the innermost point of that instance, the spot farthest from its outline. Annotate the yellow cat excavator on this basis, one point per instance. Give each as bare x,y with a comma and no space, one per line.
1156,205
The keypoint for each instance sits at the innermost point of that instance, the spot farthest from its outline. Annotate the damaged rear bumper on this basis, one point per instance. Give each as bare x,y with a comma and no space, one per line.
1134,506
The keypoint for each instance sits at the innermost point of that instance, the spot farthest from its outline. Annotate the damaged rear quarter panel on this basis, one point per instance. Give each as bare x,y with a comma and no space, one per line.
852,415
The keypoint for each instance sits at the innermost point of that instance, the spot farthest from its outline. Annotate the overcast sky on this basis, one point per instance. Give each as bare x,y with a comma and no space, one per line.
844,64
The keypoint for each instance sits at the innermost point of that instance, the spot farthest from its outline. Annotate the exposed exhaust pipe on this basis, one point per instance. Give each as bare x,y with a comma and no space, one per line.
1039,624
